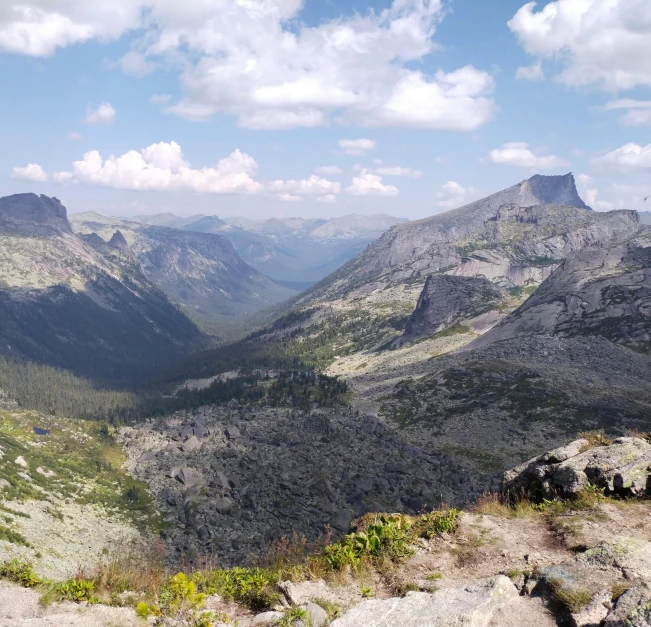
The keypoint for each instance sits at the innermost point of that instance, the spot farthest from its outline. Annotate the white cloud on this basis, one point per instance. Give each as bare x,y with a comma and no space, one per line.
104,114
259,62
399,171
638,114
328,198
368,184
75,136
38,27
312,185
289,197
631,156
519,155
160,99
530,72
607,42
328,169
31,172
162,167
453,194
357,147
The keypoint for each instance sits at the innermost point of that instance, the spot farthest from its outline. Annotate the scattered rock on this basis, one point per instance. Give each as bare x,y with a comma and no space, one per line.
20,460
317,616
268,618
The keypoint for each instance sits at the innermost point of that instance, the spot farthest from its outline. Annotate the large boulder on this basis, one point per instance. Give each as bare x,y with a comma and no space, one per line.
622,467
633,609
468,606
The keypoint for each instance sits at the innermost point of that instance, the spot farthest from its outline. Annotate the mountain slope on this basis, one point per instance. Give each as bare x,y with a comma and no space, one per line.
295,251
64,303
201,272
599,291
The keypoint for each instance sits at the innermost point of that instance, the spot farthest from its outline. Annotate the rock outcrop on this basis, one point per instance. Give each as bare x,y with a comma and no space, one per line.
450,300
32,211
470,606
598,291
623,468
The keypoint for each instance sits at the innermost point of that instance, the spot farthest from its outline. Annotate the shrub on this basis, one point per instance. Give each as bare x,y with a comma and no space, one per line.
254,587
20,572
437,523
572,599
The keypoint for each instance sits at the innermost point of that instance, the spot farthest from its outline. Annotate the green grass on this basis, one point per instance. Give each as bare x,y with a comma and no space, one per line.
86,464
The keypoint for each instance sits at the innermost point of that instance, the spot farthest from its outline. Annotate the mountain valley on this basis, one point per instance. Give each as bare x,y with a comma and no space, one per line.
447,352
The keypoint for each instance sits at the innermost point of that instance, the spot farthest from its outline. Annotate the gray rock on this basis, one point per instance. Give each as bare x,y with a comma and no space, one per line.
595,612
633,609
303,592
468,606
146,456
448,300
317,616
267,618
224,505
189,477
232,433
632,556
622,467
191,445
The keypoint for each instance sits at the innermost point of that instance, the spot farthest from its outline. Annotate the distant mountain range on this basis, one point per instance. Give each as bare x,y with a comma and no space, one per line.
296,252
79,305
201,272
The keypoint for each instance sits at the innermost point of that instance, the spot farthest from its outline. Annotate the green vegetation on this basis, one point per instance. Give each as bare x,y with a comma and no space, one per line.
13,537
292,616
567,596
78,460
457,329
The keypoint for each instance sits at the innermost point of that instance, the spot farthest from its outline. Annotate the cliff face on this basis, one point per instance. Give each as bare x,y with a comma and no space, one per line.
598,291
32,211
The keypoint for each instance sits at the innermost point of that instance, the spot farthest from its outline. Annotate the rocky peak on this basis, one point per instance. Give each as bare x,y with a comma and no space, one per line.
557,190
32,210
118,241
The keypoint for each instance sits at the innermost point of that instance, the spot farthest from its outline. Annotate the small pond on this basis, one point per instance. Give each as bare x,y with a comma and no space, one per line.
41,431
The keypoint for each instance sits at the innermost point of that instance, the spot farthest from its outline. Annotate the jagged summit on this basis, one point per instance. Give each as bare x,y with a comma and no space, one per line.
118,241
32,210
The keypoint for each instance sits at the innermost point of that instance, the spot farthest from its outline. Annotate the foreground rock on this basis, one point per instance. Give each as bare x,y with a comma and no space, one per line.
470,606
623,468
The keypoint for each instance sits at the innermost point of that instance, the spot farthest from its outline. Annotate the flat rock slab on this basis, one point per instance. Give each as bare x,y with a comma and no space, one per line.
20,607
468,606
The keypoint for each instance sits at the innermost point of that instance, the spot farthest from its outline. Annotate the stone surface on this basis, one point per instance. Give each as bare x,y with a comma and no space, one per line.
633,609
317,616
449,300
604,291
623,467
469,606
267,618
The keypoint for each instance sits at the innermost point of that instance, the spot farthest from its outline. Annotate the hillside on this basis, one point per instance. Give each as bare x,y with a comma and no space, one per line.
201,272
297,252
64,303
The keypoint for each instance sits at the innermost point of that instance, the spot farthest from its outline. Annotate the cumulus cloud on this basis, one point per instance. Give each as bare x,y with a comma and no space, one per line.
638,111
312,185
631,156
453,194
162,167
328,169
328,198
31,172
368,184
604,42
357,147
397,170
530,72
104,114
259,62
519,155
289,197
160,99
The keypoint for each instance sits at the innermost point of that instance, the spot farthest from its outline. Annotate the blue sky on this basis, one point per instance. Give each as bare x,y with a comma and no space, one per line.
323,107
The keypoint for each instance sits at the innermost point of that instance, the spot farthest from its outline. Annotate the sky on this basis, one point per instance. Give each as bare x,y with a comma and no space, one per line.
321,108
